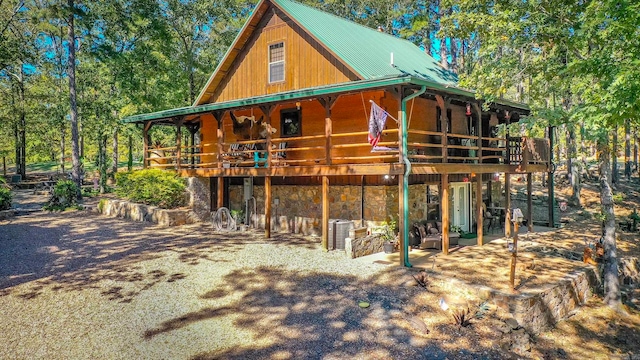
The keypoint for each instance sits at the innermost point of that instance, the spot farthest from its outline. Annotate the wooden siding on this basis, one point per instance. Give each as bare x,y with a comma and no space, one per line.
307,63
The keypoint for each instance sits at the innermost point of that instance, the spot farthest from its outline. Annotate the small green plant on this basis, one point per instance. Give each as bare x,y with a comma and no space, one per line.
456,229
238,215
161,188
5,197
618,198
65,195
389,231
101,204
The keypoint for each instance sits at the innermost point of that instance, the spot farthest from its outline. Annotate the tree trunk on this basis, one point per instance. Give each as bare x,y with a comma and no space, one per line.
614,155
572,165
612,296
627,149
443,41
21,158
583,150
71,69
62,147
114,158
102,162
130,155
635,150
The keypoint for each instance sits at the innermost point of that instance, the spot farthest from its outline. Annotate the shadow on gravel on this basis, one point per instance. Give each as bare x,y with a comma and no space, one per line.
312,316
77,250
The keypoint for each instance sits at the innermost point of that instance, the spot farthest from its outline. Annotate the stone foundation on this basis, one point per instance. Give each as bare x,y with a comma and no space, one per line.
199,197
140,212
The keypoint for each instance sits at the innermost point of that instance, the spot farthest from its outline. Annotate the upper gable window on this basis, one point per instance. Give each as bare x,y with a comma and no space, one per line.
276,62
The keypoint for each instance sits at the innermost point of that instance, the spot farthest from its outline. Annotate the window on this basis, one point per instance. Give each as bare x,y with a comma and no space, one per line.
276,62
438,123
290,123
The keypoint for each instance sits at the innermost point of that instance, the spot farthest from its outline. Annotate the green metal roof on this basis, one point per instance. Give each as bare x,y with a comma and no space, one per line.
365,50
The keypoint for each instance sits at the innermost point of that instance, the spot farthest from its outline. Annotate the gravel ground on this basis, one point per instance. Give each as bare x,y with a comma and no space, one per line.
77,285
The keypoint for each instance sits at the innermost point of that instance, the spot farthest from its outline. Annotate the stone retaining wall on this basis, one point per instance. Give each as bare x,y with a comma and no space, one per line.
140,212
541,310
367,245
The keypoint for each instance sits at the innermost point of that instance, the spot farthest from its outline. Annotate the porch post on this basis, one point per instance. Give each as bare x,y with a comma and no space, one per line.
327,103
530,202
401,219
145,139
267,207
444,206
444,122
479,214
325,213
220,189
507,204
178,123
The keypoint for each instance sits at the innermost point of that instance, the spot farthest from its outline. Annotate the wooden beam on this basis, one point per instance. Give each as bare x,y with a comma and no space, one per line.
219,115
318,170
507,205
145,139
479,214
460,168
178,123
507,150
401,219
530,202
325,213
327,103
443,103
220,190
444,208
550,181
267,207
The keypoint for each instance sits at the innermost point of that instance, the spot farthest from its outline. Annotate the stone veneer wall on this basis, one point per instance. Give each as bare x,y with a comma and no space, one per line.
367,245
199,197
300,206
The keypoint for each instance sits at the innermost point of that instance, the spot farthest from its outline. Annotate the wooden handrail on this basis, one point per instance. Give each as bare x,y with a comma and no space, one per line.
387,143
360,133
424,132
422,145
462,136
297,138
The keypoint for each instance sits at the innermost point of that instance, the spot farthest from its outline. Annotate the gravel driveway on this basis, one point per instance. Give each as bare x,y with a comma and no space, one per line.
78,285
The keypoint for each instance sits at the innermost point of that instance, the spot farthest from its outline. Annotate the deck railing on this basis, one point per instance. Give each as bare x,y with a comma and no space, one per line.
423,147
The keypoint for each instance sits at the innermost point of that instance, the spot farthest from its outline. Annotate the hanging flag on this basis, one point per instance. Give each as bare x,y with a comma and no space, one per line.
377,120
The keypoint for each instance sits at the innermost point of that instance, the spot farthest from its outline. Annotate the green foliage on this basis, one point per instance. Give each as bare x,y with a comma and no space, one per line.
389,230
65,195
5,197
618,198
101,204
152,186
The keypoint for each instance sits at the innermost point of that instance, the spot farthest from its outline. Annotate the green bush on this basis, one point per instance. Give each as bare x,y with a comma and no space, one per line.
152,186
5,198
65,195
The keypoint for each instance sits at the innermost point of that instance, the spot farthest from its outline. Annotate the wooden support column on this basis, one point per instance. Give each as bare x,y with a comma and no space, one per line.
529,202
327,103
507,152
218,115
507,204
479,214
178,122
444,208
478,110
193,129
325,213
401,219
145,139
443,103
267,207
220,190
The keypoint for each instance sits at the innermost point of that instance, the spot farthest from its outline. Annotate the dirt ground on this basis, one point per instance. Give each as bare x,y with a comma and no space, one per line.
78,285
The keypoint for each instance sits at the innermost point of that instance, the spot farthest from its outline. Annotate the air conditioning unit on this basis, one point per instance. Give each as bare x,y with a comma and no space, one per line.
342,228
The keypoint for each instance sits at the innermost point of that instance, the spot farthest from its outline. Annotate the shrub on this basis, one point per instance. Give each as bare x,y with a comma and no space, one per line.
65,195
5,198
152,186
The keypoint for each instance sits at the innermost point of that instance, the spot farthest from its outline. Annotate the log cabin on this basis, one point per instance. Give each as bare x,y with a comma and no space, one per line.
282,130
